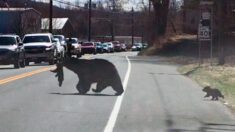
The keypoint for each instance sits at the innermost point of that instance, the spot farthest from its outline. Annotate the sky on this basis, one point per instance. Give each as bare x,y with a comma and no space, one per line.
128,4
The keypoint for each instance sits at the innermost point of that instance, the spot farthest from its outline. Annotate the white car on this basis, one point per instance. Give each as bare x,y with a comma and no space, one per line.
39,47
61,39
111,46
59,49
106,48
76,48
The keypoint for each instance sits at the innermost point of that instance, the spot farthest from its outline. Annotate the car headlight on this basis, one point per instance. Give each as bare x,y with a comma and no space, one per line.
76,46
49,48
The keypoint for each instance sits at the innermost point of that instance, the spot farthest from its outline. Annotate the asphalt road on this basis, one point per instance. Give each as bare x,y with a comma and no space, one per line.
156,99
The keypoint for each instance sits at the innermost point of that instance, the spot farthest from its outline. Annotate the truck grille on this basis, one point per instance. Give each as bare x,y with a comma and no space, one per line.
3,51
35,49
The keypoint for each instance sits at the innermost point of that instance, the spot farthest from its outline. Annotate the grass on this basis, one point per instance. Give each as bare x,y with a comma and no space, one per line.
220,77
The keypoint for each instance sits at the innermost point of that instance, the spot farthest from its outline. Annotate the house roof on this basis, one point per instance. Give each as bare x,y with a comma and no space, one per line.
58,23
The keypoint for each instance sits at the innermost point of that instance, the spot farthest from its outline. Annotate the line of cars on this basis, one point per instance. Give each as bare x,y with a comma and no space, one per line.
46,47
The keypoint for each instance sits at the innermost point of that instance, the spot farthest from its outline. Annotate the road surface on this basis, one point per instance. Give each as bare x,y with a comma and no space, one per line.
156,99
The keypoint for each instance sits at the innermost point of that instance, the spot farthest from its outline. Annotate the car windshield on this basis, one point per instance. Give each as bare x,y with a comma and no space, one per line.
74,41
104,45
59,37
7,40
138,44
36,39
98,44
115,42
87,44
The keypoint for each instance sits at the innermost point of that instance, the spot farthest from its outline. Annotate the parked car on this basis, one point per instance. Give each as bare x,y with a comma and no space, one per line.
39,47
99,47
111,47
117,46
11,51
145,45
106,48
60,50
137,47
76,48
123,47
88,48
62,40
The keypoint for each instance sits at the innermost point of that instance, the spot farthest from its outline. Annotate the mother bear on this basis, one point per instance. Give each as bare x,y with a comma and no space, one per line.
97,71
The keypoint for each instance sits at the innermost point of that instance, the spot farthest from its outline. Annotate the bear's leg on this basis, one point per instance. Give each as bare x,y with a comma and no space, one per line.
118,88
83,86
213,97
100,87
207,95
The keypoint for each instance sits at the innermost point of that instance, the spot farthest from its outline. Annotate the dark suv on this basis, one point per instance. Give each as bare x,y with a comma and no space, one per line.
11,51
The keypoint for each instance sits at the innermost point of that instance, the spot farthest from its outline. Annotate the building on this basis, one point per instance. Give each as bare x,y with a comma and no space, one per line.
19,21
60,26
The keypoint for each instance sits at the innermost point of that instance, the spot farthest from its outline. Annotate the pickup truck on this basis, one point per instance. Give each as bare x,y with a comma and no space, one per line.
11,51
39,48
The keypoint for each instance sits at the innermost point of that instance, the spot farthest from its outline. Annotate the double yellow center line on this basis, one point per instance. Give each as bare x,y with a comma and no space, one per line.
10,79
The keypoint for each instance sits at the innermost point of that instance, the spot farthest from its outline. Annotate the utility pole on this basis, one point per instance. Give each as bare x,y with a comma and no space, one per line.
89,26
112,21
132,26
149,7
51,15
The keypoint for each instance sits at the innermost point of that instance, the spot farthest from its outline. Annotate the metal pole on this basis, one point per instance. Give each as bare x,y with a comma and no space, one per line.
211,36
149,7
199,54
51,15
132,27
89,26
112,21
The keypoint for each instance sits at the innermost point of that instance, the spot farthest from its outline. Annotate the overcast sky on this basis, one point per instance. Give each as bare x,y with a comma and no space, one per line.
127,4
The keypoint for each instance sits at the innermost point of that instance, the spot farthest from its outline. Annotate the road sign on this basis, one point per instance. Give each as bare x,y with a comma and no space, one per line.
206,15
204,34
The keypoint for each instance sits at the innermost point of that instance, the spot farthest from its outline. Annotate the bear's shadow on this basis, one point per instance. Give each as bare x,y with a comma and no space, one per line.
78,94
92,71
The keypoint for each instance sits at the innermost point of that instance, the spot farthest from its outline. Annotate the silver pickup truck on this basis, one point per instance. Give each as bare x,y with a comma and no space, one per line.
39,48
11,51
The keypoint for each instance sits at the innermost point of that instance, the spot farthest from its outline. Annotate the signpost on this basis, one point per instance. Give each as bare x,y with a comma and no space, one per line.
205,28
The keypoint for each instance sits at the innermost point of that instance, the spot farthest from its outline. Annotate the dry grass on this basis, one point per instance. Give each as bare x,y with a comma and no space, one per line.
221,77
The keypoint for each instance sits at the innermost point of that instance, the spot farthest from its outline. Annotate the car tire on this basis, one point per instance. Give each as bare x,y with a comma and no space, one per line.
22,64
17,64
79,55
94,52
26,63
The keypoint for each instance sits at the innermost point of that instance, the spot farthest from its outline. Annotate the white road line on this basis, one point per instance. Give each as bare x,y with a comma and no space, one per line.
113,117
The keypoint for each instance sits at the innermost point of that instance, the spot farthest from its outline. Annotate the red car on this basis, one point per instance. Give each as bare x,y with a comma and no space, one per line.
117,46
88,48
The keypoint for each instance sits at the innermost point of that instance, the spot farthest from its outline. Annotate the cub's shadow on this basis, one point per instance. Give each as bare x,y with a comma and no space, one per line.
97,71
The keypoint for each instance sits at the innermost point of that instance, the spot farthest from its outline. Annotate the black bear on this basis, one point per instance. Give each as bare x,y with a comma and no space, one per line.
215,93
97,71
